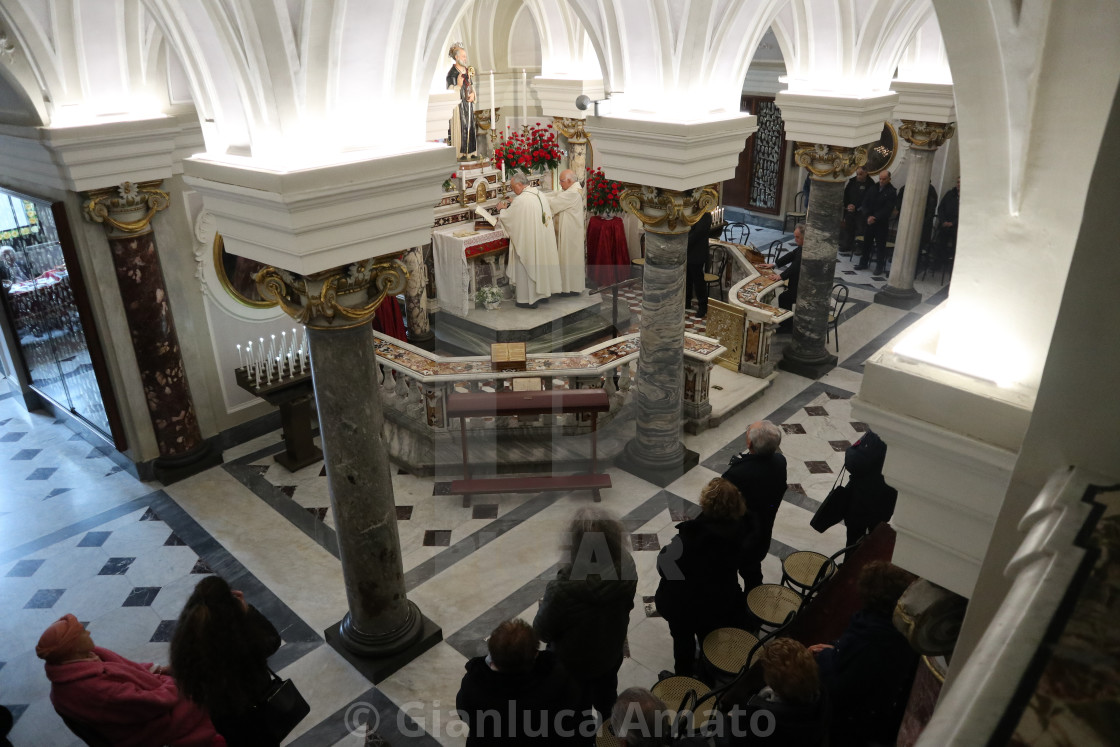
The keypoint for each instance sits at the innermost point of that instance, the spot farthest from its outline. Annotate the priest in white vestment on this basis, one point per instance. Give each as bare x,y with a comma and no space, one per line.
534,266
567,212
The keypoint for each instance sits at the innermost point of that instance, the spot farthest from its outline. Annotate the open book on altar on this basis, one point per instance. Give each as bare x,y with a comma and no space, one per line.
487,215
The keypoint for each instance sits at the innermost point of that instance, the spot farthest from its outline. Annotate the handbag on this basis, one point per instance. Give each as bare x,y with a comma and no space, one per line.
282,709
834,507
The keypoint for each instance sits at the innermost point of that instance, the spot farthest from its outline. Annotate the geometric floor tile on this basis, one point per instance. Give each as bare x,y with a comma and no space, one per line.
150,515
25,568
57,491
94,539
115,567
818,468
318,513
24,455
163,632
201,567
174,541
839,445
404,513
12,437
288,490
441,488
794,428
816,410
859,427
644,542
141,596
437,537
44,599
484,511
42,473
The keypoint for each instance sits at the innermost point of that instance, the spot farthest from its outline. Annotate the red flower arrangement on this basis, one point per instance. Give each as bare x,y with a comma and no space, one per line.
602,193
534,147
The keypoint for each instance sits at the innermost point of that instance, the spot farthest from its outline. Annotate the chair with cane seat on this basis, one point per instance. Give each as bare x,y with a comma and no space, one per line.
675,691
725,651
769,605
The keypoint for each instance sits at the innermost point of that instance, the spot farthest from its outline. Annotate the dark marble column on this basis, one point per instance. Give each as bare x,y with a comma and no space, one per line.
656,452
830,166
126,212
382,630
924,139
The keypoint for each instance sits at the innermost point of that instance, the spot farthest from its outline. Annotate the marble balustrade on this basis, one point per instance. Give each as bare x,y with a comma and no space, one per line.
415,385
755,290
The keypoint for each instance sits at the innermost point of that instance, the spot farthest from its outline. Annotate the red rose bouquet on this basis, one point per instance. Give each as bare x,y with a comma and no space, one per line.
602,193
532,148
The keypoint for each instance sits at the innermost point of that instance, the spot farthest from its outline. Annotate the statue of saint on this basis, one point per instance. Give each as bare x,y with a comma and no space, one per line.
461,78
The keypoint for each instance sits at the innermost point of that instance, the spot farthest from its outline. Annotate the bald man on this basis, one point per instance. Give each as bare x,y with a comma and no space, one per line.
567,215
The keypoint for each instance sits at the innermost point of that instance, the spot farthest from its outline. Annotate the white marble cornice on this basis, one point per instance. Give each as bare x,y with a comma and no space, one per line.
925,102
317,218
558,96
845,121
670,155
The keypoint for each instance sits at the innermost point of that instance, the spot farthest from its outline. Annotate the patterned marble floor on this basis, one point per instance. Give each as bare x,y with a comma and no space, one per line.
79,535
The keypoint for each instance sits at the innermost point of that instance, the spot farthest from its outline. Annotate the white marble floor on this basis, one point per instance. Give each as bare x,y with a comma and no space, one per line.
79,535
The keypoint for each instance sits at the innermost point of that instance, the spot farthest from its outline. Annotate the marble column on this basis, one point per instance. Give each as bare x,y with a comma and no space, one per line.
126,212
573,130
656,451
924,139
382,629
829,166
416,298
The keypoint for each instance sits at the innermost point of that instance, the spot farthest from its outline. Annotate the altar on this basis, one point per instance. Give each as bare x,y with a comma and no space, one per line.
465,259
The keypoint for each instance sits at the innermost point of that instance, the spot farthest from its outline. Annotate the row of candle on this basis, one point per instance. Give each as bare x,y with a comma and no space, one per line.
260,366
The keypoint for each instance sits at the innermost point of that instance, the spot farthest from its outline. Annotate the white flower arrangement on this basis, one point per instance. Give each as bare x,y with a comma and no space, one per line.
488,295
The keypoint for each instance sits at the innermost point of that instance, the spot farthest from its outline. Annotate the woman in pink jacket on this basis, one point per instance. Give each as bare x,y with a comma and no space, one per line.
127,704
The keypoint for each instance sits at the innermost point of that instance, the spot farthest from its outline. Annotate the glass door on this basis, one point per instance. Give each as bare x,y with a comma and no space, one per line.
45,301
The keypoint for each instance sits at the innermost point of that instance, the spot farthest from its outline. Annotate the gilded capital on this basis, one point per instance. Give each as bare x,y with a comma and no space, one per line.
667,211
830,162
571,128
929,135
126,210
339,298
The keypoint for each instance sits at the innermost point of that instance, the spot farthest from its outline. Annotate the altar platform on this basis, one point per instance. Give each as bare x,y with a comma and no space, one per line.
563,323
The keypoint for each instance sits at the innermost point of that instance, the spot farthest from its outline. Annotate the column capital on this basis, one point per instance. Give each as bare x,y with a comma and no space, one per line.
927,135
829,162
127,209
339,298
668,211
571,128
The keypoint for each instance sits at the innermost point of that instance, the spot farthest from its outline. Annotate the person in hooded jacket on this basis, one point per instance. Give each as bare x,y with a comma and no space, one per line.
699,589
586,609
869,670
871,500
518,694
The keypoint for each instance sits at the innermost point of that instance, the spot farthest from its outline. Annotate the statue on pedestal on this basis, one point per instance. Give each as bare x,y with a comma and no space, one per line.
460,77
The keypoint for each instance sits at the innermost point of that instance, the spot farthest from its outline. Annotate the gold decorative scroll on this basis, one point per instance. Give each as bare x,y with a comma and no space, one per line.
930,135
668,209
571,128
829,161
127,199
318,300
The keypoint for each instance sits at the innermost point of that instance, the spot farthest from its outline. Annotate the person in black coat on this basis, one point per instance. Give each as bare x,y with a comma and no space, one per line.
792,275
585,612
948,214
760,475
871,499
878,205
698,591
854,221
869,670
697,258
516,681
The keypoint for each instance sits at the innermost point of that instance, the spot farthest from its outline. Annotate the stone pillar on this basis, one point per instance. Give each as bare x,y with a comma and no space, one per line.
126,212
382,629
656,452
573,130
924,139
830,167
416,298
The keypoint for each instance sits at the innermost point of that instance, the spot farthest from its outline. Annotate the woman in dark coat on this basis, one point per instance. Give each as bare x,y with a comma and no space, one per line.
869,670
699,589
586,609
219,656
871,500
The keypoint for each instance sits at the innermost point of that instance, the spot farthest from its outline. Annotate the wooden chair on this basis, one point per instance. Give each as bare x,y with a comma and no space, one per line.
806,571
724,653
769,605
680,694
714,269
797,215
775,251
835,308
738,233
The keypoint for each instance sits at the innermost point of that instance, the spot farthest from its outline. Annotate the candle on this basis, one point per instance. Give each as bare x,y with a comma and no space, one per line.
524,97
493,119
240,357
271,349
293,348
279,369
260,351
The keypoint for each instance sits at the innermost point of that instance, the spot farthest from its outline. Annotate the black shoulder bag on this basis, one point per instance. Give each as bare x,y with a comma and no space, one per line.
835,506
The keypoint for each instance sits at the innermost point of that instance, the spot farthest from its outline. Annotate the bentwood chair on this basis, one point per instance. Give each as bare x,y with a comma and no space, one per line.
776,250
797,215
714,269
738,233
836,305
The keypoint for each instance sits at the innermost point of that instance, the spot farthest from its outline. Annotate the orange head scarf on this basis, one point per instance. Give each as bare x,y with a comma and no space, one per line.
60,640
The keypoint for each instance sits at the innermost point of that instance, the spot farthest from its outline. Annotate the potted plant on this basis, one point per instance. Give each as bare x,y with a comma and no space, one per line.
489,296
602,194
535,147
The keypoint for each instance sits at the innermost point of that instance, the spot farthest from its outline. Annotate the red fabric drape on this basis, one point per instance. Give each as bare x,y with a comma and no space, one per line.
608,259
389,319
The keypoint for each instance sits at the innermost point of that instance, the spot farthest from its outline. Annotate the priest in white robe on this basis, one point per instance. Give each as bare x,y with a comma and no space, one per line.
534,266
571,234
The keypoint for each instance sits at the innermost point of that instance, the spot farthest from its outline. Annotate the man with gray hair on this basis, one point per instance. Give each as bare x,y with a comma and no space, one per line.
640,719
567,205
534,265
760,475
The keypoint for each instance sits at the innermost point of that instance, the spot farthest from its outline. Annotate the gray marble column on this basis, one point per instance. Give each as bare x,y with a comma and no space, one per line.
830,166
657,452
416,298
924,141
382,630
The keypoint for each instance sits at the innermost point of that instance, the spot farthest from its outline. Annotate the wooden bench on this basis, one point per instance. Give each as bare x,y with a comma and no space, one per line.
504,404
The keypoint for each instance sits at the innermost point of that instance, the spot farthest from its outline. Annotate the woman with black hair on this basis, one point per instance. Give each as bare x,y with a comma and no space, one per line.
219,656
